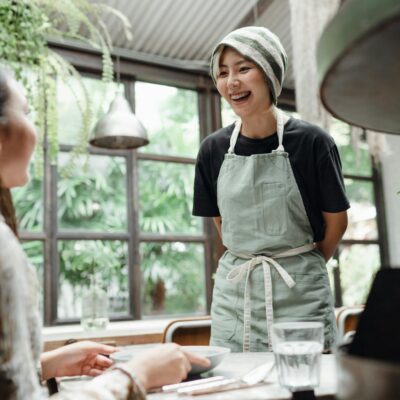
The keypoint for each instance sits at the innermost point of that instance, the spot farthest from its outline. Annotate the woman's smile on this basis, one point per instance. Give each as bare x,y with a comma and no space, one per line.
240,97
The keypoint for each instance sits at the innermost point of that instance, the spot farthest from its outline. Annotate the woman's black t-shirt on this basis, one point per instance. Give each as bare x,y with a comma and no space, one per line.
313,156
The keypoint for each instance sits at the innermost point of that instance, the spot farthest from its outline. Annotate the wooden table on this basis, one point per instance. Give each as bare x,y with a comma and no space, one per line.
237,364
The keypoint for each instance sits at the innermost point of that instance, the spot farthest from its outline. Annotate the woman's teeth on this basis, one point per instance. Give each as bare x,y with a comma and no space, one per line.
240,96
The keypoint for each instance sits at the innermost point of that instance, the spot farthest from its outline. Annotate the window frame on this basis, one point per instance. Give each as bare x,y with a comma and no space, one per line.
88,63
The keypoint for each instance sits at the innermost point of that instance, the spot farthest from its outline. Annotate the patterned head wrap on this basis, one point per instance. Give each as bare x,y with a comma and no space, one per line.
262,47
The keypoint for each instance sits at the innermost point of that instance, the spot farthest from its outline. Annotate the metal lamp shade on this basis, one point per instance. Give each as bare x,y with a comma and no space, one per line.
119,128
359,64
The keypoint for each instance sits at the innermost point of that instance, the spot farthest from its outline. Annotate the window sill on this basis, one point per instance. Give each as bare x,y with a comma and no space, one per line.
121,333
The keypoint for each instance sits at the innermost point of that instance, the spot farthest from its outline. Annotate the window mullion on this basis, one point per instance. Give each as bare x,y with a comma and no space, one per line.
380,215
50,283
133,242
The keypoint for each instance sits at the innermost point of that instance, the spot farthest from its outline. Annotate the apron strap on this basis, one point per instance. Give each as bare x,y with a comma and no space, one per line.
281,119
267,262
279,128
234,136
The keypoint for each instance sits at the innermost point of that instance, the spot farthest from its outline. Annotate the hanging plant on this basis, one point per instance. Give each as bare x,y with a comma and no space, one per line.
25,27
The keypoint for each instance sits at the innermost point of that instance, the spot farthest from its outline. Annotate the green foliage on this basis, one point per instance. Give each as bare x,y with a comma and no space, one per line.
25,26
81,260
356,160
166,197
29,201
358,265
22,34
179,268
175,130
94,198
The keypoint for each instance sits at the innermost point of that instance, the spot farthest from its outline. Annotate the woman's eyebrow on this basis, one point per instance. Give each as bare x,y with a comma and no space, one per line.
236,63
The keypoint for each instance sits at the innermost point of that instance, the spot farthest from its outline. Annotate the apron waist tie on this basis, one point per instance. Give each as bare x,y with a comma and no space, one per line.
237,273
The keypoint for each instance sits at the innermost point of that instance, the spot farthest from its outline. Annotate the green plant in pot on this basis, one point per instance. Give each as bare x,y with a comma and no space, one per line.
24,32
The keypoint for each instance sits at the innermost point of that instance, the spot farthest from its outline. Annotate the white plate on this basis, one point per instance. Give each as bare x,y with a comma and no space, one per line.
130,352
214,353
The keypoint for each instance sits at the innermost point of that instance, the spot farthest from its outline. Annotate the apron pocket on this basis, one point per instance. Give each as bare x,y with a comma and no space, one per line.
237,210
274,208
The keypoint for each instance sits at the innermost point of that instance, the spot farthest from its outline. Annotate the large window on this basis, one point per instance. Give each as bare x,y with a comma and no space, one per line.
360,253
123,217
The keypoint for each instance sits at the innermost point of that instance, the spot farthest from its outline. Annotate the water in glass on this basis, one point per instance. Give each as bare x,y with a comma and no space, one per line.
298,364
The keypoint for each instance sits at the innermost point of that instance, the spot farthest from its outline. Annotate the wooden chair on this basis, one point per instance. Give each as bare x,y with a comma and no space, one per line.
188,331
347,320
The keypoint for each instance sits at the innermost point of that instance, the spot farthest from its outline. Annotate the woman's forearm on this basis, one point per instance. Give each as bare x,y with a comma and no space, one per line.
335,227
47,361
218,223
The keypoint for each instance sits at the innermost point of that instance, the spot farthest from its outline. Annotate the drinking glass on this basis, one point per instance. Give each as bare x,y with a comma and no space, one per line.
297,348
94,308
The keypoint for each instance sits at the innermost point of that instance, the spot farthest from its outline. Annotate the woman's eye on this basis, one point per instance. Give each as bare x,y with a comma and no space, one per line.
222,74
244,69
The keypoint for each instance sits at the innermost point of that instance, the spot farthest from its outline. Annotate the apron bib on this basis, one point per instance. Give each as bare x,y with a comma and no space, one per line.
271,271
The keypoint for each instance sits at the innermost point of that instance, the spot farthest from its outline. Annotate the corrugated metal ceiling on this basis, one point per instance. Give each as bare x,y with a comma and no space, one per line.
187,30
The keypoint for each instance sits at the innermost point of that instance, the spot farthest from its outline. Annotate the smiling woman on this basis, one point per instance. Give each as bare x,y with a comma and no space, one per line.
274,187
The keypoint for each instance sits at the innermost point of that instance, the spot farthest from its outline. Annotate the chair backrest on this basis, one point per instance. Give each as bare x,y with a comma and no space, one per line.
189,331
347,320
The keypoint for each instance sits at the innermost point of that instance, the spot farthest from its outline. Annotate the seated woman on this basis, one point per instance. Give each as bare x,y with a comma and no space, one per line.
20,343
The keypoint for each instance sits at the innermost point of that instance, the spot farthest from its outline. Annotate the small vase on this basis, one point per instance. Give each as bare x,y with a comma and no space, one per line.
94,308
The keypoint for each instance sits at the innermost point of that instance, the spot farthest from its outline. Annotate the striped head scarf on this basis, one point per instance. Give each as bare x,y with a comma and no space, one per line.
262,47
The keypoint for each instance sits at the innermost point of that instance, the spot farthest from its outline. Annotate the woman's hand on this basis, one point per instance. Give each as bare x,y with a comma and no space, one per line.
165,364
81,358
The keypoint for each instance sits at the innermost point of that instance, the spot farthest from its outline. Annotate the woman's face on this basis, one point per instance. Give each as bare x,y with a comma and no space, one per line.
17,138
242,84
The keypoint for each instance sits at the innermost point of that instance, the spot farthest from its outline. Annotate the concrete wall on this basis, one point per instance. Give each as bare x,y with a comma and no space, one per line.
391,184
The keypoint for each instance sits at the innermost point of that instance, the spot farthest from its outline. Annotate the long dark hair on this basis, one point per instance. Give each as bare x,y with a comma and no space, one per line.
6,204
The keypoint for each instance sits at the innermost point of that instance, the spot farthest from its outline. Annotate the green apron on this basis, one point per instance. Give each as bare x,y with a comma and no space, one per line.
271,271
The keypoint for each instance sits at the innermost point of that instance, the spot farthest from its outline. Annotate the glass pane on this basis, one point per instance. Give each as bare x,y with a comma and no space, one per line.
34,251
355,159
174,278
166,195
28,201
358,265
69,97
94,196
171,118
81,260
362,213
227,114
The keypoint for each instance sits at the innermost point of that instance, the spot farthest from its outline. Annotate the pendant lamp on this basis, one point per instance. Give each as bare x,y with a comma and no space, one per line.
359,64
119,128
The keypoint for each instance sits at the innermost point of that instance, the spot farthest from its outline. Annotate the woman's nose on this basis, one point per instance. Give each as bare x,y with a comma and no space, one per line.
233,80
